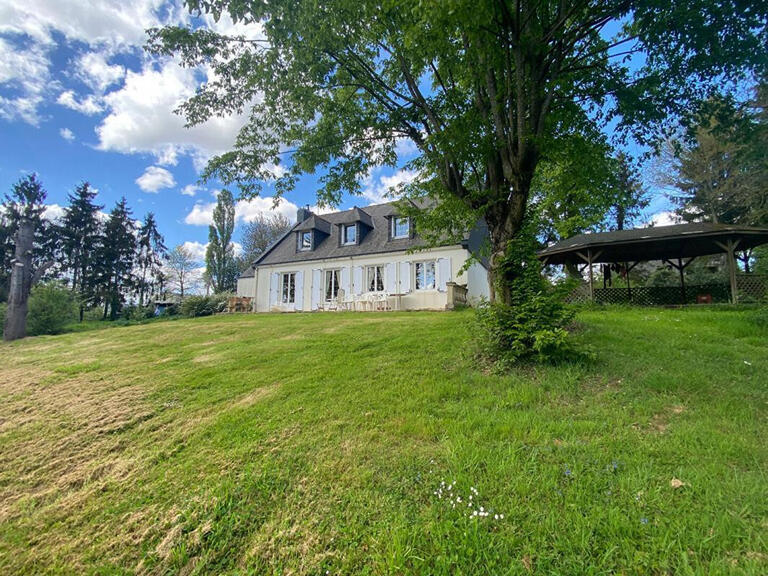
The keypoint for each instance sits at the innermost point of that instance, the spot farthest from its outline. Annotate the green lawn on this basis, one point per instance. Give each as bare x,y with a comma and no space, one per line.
314,444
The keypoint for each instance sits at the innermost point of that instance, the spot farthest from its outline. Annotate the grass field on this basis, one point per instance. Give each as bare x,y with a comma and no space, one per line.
326,444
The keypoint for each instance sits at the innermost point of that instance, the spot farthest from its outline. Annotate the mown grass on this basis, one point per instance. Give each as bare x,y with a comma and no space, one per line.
314,444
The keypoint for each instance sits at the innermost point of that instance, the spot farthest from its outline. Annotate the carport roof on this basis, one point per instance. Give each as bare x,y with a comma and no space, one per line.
656,243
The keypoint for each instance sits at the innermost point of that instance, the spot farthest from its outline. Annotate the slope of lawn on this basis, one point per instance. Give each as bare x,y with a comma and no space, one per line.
368,443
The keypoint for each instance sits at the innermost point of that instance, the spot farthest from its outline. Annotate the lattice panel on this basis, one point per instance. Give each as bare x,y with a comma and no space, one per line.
752,288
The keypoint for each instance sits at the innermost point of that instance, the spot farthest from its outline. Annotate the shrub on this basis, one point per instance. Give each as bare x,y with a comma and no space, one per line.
193,306
133,312
533,326
51,307
3,306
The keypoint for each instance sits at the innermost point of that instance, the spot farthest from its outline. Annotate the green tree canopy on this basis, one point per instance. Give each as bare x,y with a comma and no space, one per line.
220,263
482,88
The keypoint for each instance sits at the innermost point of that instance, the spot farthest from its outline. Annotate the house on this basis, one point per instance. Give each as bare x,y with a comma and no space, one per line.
363,255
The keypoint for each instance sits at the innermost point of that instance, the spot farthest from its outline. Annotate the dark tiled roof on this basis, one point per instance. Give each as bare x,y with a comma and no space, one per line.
314,222
676,241
374,238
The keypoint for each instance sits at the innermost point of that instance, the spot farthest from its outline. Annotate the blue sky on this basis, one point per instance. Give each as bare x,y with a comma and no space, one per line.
80,100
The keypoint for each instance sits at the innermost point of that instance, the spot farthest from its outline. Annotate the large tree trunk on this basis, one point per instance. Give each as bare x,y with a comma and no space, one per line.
504,220
21,282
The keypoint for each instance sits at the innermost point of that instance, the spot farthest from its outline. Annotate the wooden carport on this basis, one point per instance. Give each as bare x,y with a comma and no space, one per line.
676,245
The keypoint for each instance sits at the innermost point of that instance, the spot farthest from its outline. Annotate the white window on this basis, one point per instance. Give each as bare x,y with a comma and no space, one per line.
288,288
375,277
331,284
401,227
305,240
349,234
425,275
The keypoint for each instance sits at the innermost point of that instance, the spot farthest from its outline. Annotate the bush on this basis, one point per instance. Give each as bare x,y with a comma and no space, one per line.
133,312
193,306
51,307
3,306
533,326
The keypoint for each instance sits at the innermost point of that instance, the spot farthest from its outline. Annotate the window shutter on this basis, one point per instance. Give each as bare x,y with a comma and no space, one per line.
357,281
345,281
405,277
317,288
443,273
298,296
390,284
273,289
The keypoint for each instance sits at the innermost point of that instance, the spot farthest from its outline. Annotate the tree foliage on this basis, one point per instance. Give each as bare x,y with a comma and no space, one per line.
116,258
149,258
482,88
81,232
220,263
181,267
260,233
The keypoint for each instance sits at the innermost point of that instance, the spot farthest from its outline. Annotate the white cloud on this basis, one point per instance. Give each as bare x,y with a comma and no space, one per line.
108,22
155,179
95,71
89,106
141,117
53,212
67,134
245,210
190,190
385,188
25,71
197,250
666,218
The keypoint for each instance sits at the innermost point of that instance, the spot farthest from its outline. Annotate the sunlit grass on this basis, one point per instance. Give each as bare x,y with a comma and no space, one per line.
308,444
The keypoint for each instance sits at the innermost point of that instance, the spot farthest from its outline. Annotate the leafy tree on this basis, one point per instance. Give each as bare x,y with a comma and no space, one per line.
220,262
24,206
81,233
259,234
149,258
116,258
181,267
482,88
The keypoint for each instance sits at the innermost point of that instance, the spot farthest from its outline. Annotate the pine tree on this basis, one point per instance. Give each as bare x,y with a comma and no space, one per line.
117,255
149,259
80,232
629,196
220,261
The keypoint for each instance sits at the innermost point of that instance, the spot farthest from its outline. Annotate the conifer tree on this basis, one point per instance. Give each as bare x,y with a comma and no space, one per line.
149,258
80,232
116,259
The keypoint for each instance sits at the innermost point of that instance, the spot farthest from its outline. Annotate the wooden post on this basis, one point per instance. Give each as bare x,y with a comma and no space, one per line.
732,271
629,288
591,280
681,269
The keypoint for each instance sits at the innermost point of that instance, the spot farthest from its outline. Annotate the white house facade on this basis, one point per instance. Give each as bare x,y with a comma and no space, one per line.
362,255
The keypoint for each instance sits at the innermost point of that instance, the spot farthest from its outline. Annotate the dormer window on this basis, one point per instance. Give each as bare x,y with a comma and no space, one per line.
349,234
401,227
305,241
